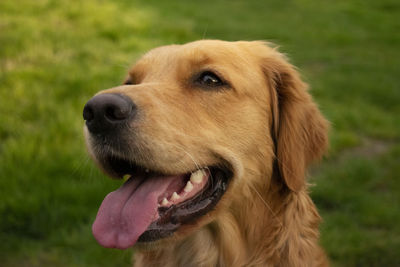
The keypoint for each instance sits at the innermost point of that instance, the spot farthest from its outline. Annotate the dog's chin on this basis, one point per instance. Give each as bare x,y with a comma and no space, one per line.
153,204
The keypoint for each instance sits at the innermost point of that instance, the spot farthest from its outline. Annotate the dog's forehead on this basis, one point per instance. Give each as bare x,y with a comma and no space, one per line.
192,55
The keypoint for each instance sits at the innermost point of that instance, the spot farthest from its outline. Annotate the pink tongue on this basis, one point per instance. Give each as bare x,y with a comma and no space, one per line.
127,212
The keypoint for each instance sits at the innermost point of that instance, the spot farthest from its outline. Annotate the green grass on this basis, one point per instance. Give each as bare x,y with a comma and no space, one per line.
54,55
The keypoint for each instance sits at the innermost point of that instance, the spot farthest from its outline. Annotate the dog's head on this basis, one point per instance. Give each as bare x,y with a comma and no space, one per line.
193,126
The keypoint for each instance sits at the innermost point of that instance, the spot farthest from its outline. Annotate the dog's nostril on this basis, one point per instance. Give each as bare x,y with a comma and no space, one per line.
116,113
88,113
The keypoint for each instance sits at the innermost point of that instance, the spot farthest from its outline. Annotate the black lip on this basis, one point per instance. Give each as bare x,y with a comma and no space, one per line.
187,212
117,167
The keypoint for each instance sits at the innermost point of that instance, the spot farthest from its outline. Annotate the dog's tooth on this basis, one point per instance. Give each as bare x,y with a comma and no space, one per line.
164,202
175,196
197,176
188,187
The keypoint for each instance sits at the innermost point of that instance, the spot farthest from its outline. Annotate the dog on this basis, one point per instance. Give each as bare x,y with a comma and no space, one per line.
213,139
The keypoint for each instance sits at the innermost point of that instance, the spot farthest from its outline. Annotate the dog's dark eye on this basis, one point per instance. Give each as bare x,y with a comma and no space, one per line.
209,79
128,81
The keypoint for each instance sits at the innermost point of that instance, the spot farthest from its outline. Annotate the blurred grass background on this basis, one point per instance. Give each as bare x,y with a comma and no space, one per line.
54,55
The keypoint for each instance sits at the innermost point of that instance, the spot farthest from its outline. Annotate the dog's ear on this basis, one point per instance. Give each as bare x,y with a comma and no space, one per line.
298,128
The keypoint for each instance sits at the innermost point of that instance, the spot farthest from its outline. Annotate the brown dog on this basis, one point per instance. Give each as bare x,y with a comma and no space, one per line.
216,137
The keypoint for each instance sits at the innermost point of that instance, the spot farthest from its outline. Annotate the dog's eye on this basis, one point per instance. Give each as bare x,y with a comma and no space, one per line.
209,79
128,81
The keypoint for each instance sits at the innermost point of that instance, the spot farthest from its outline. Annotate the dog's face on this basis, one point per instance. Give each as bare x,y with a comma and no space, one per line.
193,125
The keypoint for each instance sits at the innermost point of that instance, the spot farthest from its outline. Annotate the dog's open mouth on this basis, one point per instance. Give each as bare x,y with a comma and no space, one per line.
151,205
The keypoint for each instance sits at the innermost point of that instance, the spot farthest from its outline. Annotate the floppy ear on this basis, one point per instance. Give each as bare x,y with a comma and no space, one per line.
299,130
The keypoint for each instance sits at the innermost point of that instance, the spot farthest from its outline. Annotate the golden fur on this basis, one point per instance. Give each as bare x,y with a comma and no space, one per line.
265,126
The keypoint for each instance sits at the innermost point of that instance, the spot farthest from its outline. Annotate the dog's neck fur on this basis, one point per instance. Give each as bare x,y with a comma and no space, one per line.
283,232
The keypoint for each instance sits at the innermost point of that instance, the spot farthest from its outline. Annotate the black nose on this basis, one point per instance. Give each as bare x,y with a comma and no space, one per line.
107,112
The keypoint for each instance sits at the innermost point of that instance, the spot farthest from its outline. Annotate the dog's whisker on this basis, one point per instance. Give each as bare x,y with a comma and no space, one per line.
192,158
205,32
274,215
80,165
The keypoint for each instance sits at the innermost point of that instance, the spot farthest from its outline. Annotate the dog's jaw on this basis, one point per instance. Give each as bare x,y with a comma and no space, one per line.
234,240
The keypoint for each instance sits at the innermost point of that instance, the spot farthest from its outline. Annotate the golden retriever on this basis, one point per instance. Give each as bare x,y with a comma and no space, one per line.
213,139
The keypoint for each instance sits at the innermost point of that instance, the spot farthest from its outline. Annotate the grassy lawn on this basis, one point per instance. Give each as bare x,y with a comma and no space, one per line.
54,55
